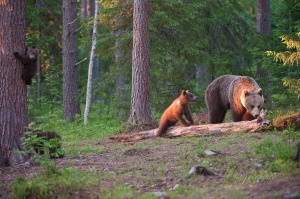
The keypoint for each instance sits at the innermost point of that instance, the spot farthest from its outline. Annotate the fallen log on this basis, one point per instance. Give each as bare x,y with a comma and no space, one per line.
287,121
255,125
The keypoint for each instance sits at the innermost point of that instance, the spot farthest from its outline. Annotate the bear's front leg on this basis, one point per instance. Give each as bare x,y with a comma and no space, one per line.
182,121
20,58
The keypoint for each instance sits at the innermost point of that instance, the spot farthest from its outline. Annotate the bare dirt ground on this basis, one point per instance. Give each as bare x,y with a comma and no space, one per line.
159,164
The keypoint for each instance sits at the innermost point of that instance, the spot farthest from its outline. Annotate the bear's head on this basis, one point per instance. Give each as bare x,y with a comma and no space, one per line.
187,97
253,101
32,52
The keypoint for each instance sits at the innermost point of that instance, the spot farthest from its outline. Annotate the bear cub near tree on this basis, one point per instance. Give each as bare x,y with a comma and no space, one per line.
241,94
47,136
29,60
175,111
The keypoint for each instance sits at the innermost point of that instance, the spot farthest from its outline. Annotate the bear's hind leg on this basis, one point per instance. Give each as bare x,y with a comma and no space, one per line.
216,116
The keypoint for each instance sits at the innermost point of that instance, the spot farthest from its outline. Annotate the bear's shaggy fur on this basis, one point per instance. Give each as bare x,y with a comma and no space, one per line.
175,111
30,60
241,94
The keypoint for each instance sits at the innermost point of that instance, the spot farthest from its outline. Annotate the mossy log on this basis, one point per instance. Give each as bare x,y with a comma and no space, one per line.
256,125
287,121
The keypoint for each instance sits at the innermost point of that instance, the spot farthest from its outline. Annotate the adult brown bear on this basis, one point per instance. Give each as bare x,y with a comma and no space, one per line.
241,94
30,60
175,111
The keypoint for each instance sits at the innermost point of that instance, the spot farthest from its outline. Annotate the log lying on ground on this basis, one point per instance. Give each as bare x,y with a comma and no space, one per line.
287,121
256,125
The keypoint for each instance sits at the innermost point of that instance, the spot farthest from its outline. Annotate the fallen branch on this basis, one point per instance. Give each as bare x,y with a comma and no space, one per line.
256,125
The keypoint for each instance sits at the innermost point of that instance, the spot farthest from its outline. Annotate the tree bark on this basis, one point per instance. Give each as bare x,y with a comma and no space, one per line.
256,125
263,26
91,66
140,94
119,56
13,91
71,105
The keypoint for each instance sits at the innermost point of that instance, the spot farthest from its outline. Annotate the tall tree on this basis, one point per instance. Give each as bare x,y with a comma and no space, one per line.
13,98
140,94
263,27
91,66
71,105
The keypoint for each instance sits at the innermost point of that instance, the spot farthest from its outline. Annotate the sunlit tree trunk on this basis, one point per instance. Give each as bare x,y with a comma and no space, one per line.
71,105
90,73
263,26
13,91
140,94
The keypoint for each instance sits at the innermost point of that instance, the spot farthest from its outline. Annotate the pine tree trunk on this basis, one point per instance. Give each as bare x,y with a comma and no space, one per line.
13,91
263,26
91,66
140,94
120,81
71,106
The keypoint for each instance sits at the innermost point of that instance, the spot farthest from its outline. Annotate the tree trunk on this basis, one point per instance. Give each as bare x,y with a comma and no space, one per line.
71,105
83,9
140,94
120,81
263,26
256,125
13,91
91,66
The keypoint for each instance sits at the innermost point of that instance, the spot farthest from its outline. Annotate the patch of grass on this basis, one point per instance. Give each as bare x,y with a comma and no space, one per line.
118,192
276,154
75,148
44,186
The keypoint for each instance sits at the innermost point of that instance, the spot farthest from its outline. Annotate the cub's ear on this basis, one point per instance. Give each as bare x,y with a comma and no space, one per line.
33,47
40,51
183,92
259,91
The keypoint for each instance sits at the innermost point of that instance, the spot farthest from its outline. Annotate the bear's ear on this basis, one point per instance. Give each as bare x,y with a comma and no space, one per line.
259,91
246,93
183,92
33,47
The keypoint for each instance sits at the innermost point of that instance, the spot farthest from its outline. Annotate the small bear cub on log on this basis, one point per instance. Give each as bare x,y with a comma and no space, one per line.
30,61
175,111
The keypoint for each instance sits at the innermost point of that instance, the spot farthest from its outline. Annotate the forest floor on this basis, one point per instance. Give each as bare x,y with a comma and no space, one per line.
159,166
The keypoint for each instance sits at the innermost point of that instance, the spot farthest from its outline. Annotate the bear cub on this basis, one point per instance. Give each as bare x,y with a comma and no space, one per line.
175,111
241,94
30,60
47,136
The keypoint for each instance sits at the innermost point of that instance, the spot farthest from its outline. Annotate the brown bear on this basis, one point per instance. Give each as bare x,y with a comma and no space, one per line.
30,60
241,94
175,111
47,136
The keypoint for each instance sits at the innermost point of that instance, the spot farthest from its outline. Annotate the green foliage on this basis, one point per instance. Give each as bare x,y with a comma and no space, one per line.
276,154
290,58
62,183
